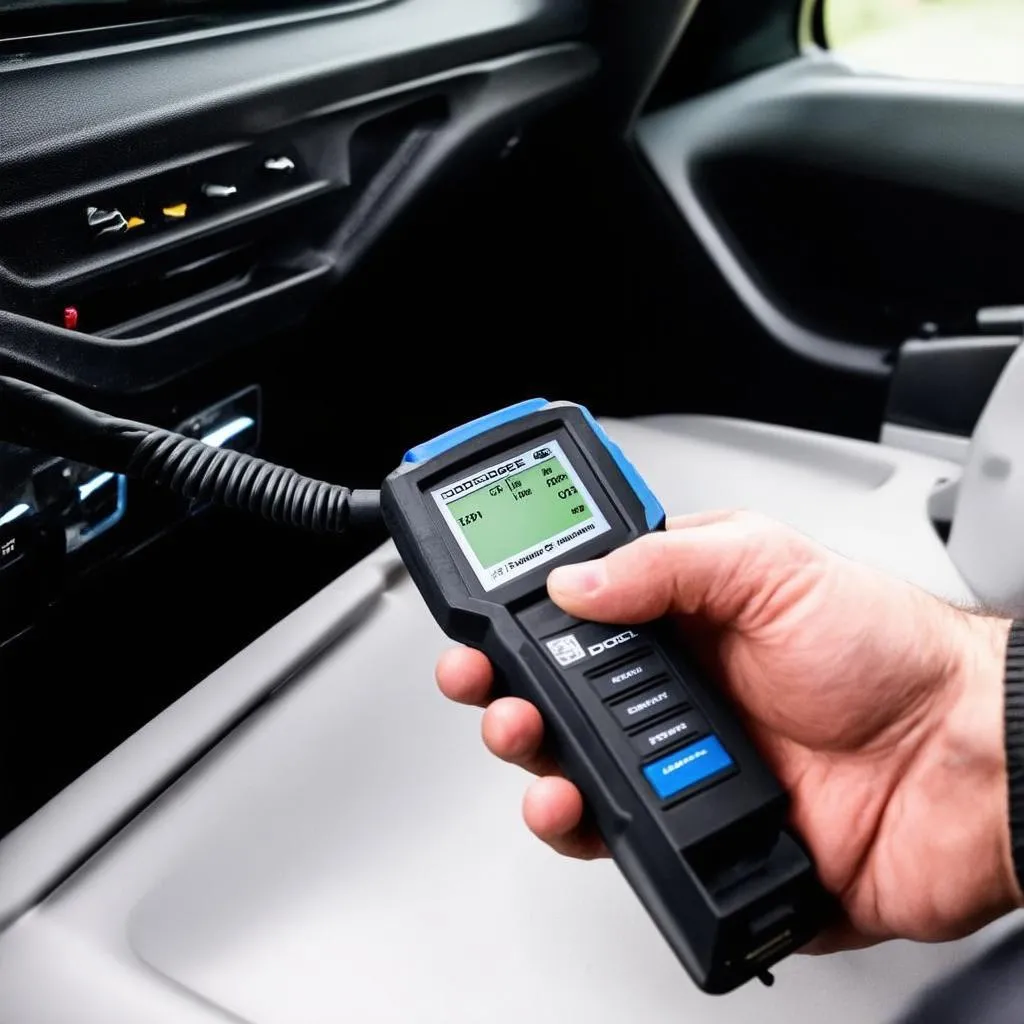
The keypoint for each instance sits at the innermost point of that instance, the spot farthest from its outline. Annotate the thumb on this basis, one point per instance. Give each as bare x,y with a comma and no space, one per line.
725,570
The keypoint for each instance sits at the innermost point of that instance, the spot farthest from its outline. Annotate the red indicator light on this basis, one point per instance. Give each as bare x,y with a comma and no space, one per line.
71,318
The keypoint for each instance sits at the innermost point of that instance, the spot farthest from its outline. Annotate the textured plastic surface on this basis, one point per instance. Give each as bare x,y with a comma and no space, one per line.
484,96
280,881
207,88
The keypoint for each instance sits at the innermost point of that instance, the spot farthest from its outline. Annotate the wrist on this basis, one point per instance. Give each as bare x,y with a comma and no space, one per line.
1013,719
972,759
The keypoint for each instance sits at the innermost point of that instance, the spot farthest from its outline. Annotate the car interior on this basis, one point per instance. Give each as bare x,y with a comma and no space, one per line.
326,232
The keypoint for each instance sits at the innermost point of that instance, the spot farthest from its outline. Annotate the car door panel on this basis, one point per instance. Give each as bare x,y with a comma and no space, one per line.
845,210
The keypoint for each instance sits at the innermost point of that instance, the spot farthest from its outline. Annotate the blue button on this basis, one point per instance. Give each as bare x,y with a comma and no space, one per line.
686,767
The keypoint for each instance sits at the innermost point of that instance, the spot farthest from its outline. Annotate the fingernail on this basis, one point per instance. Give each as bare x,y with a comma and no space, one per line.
584,578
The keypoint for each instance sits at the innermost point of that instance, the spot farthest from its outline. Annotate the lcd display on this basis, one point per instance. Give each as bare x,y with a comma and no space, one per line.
512,517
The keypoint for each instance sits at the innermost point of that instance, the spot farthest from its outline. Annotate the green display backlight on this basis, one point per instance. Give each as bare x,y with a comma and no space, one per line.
519,512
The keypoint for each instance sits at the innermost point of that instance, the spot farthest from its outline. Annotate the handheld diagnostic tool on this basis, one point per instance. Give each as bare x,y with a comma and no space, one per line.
691,814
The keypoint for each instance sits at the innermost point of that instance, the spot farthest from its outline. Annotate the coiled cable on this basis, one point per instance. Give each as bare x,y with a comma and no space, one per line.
39,419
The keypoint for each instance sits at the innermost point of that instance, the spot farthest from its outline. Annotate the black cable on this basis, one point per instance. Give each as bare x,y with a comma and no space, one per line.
35,418
39,419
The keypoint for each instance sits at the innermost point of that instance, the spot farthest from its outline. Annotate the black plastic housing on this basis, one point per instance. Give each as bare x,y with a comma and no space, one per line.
730,888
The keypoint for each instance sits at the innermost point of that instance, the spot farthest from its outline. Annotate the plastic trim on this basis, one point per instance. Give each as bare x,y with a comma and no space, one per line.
654,513
38,855
485,96
673,141
457,435
927,442
951,138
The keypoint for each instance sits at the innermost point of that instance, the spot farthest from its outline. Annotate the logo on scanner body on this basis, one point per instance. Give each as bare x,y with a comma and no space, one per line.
567,650
611,643
472,482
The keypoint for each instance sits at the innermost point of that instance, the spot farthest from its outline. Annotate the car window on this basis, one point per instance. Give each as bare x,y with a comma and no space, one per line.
952,40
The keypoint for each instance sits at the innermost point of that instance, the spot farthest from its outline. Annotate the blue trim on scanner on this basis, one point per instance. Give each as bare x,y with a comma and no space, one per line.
654,511
671,775
445,442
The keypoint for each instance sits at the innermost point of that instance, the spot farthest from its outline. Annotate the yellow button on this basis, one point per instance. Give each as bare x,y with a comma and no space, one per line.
135,222
176,212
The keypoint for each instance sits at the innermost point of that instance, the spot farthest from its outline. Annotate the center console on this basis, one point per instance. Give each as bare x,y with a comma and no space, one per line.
315,834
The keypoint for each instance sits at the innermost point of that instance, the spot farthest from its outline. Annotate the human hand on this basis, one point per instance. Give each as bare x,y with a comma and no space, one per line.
878,706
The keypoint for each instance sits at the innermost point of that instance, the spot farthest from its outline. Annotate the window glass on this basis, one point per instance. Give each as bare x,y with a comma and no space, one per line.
953,40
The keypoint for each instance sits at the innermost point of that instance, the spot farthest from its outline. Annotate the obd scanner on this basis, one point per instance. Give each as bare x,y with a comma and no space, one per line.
689,810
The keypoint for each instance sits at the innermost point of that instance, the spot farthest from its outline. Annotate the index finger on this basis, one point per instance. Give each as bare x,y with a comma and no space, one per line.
465,676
